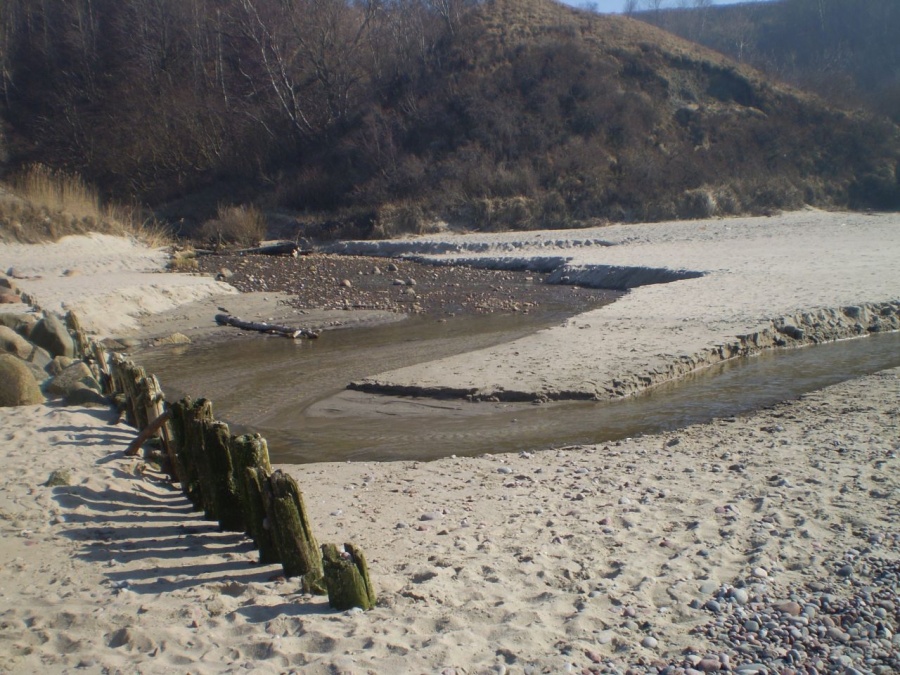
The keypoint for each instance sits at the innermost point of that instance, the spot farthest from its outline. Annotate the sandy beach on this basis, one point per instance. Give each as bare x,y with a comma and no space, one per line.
757,544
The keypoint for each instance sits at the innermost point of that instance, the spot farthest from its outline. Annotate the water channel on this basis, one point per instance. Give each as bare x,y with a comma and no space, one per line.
293,393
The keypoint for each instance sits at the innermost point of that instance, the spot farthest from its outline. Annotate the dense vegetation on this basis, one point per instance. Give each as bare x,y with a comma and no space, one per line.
847,51
372,117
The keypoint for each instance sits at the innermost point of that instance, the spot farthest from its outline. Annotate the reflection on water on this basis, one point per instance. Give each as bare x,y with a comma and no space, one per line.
293,392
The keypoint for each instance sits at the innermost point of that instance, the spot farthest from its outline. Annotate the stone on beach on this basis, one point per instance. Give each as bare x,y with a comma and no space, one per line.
17,384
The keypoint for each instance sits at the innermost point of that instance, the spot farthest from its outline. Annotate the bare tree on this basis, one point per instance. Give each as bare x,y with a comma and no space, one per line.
631,6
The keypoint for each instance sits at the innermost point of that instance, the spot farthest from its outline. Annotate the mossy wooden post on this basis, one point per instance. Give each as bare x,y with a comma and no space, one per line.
101,368
196,417
127,378
82,344
137,394
155,405
119,389
260,526
185,428
224,503
297,547
249,451
347,578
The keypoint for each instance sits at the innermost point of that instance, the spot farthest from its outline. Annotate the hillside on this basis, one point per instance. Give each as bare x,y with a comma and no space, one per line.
508,114
847,52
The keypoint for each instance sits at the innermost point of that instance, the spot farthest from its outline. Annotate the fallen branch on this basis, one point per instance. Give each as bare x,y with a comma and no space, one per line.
262,327
135,446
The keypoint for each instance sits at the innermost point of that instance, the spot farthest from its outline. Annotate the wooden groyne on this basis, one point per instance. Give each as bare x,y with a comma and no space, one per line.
229,478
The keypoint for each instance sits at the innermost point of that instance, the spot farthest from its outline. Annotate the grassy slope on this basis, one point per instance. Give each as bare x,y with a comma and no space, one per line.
540,115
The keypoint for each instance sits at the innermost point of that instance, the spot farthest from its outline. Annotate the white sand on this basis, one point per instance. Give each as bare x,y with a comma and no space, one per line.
483,565
756,271
108,281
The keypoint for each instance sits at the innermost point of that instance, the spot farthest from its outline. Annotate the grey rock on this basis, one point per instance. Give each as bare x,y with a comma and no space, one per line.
69,380
59,364
85,396
21,323
13,343
40,357
51,334
18,385
740,596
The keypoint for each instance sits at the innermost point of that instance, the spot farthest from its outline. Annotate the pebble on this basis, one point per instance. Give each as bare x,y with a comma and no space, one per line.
433,515
740,596
808,629
760,572
649,642
789,608
504,470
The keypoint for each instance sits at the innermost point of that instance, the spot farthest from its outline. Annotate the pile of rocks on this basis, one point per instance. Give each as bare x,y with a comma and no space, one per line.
39,359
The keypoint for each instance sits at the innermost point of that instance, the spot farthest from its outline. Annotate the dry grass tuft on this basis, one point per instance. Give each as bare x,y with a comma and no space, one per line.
243,225
43,204
55,191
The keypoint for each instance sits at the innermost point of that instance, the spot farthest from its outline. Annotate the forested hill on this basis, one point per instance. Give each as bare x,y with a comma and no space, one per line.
507,114
845,50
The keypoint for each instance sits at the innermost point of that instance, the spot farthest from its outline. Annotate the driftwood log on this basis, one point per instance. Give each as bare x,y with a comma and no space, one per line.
149,431
263,327
275,248
347,578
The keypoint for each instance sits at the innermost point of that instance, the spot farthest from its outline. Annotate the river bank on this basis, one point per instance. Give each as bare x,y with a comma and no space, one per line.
765,542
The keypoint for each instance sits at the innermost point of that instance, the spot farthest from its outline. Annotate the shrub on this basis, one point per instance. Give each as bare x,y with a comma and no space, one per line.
241,225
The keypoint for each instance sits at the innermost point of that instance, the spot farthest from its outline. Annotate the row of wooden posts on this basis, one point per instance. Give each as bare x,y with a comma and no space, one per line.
230,478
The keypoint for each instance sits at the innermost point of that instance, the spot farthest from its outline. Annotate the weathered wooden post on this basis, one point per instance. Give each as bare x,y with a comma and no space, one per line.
297,547
82,343
347,578
217,477
127,379
257,518
188,445
249,451
100,366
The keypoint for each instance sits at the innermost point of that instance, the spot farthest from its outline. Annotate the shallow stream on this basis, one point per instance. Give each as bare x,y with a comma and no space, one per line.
293,392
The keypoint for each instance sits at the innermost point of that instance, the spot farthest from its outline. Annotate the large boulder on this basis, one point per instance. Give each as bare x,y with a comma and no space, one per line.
17,384
87,396
59,364
52,334
76,376
13,343
21,323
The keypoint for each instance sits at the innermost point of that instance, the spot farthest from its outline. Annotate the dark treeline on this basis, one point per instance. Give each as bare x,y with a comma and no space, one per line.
382,114
155,96
848,51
